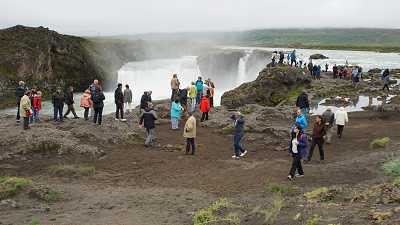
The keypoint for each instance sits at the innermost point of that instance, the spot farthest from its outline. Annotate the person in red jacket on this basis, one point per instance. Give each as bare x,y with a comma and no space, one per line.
37,105
204,108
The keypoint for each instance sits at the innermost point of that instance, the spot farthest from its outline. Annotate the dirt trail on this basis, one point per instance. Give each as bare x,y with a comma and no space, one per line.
138,185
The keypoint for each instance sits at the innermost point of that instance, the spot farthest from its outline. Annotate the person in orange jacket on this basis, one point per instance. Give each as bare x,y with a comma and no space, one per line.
86,103
204,108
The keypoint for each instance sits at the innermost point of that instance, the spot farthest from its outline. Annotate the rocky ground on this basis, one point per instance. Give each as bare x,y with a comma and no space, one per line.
79,173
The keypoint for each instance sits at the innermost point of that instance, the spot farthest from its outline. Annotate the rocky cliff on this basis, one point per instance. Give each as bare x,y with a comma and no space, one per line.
271,87
44,58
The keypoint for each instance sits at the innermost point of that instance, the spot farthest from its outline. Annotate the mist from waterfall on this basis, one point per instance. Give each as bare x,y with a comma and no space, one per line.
242,69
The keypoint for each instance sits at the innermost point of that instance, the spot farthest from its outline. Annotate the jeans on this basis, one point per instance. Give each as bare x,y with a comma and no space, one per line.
31,120
98,115
18,113
175,123
198,97
236,144
320,143
150,137
119,110
204,116
58,111
190,143
296,165
340,130
86,113
70,109
26,122
36,115
192,102
385,86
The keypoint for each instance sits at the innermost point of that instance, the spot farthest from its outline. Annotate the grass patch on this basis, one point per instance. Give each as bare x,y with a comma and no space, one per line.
379,143
314,219
34,221
72,170
228,129
246,110
44,193
208,215
392,168
272,213
279,188
10,186
316,193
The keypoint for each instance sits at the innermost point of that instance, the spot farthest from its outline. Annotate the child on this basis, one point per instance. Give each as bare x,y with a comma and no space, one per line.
86,103
37,105
204,108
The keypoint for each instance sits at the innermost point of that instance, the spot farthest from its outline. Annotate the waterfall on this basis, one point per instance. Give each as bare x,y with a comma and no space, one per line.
242,74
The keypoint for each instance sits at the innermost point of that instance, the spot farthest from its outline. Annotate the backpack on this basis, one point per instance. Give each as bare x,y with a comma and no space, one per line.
96,97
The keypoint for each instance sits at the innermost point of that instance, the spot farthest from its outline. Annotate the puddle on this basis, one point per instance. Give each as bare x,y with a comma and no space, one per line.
355,105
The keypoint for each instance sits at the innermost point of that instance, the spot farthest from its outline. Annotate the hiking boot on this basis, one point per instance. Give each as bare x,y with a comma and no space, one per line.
290,178
116,119
299,175
123,120
235,157
243,153
76,117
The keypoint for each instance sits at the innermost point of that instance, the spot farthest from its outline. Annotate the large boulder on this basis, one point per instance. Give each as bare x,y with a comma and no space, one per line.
271,87
318,56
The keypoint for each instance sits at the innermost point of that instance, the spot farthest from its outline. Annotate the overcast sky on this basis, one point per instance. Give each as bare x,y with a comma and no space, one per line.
117,17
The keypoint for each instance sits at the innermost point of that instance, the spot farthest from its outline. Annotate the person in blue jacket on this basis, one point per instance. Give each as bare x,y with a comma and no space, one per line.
199,88
298,148
301,120
293,58
176,110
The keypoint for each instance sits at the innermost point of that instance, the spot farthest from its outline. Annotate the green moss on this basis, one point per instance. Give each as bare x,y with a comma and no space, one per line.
11,186
208,215
379,142
392,167
272,213
314,219
228,129
246,110
34,221
72,170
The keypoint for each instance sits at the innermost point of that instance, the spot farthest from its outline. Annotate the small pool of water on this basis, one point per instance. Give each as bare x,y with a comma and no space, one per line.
352,105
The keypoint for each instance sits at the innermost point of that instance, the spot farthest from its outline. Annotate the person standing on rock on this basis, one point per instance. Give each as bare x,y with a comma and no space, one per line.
98,104
341,119
329,118
293,58
147,120
212,92
192,97
183,93
127,98
238,125
175,86
298,150
335,71
69,100
204,108
354,77
37,105
19,93
144,101
303,103
326,67
86,103
190,133
318,138
281,57
119,103
199,88
386,79
58,104
25,109
310,67
176,111
92,89
301,120
274,58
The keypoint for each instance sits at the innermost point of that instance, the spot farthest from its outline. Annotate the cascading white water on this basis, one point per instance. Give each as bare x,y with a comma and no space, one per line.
242,70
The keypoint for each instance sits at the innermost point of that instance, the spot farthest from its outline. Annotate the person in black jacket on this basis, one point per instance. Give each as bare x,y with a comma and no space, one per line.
19,92
98,104
183,98
69,100
119,103
303,104
58,104
147,120
146,98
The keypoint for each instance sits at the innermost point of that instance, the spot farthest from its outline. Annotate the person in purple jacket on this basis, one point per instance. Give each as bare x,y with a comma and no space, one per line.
298,149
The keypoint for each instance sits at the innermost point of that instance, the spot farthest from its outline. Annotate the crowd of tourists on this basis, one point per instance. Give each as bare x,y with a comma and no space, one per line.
199,96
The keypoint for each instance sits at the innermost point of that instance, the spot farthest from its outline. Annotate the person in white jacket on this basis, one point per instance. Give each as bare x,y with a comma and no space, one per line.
341,119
